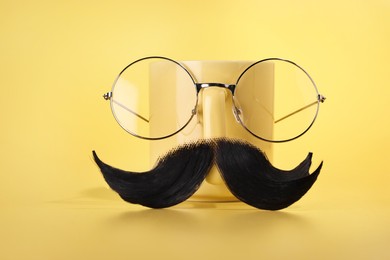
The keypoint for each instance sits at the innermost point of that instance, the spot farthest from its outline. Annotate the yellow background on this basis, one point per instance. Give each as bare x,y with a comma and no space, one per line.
58,57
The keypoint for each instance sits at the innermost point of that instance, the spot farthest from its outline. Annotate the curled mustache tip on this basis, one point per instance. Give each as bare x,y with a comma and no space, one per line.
97,159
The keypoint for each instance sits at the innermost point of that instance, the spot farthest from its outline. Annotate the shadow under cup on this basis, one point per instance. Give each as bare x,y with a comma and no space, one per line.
210,111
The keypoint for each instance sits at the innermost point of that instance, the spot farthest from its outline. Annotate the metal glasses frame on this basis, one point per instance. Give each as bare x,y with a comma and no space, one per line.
199,86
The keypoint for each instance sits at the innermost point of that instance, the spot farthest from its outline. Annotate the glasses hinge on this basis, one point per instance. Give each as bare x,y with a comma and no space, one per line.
107,96
321,98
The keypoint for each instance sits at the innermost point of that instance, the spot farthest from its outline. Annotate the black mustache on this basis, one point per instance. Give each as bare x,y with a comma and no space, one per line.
252,178
175,178
245,169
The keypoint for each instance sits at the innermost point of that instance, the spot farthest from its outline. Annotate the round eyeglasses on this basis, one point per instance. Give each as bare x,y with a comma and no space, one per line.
275,91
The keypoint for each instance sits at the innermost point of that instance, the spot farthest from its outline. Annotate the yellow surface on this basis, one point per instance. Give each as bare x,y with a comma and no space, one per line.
59,57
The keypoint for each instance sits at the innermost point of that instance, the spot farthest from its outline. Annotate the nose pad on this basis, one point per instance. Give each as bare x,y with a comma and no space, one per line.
214,122
236,108
236,113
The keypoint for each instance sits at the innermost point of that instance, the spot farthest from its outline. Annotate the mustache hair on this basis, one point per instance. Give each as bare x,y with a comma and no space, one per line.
175,178
245,169
252,178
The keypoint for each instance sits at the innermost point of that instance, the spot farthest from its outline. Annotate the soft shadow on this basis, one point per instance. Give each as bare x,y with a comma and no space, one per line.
98,194
154,222
235,219
195,216
218,205
263,221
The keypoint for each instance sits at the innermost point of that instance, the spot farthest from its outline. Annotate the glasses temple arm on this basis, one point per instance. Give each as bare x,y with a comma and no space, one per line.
321,99
108,96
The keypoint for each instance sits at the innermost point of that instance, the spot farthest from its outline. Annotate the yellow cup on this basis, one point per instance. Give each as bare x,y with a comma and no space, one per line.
214,117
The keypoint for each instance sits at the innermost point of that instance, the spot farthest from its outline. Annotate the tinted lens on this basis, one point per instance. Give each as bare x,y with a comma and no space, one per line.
153,98
278,100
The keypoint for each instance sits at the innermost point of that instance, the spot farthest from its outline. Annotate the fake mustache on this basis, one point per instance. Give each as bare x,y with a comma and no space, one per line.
245,169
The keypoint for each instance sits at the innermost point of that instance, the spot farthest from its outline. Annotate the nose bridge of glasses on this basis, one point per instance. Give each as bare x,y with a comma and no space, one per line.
230,87
200,86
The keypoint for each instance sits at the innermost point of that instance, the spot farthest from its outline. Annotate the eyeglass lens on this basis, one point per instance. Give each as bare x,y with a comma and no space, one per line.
146,101
280,94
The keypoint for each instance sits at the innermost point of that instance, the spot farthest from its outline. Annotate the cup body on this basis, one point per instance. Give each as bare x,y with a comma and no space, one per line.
214,116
